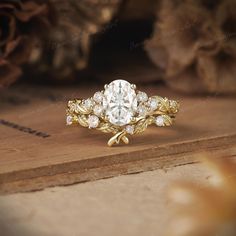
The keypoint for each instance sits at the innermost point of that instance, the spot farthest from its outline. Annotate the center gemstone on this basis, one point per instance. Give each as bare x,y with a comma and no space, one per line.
119,102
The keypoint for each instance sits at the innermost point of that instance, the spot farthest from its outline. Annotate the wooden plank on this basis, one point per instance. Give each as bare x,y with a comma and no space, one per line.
111,207
37,150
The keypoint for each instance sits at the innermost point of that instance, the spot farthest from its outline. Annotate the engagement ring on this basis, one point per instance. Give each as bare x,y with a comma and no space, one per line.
122,110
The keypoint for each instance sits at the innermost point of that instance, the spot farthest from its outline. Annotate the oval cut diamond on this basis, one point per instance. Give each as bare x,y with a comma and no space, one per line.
119,102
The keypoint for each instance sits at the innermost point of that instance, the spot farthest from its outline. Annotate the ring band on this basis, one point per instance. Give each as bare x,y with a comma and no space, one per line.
122,110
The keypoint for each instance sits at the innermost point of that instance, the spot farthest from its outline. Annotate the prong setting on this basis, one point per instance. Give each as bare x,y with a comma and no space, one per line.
121,110
133,86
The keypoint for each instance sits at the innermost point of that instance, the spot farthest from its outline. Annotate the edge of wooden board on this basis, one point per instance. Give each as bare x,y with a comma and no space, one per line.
164,156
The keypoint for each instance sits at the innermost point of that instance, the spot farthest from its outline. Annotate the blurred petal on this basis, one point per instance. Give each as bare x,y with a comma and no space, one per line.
8,73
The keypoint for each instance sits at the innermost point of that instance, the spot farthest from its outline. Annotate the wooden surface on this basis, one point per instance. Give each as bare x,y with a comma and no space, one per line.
130,205
67,155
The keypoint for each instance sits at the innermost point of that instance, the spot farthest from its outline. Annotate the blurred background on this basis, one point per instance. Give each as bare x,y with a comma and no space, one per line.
188,45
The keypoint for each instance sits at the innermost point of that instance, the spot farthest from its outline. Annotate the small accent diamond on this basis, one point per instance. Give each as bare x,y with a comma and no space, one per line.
129,129
153,103
160,121
142,110
173,103
98,109
142,97
98,97
93,121
88,103
69,120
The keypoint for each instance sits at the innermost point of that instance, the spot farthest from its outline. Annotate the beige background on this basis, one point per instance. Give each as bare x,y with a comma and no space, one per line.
125,205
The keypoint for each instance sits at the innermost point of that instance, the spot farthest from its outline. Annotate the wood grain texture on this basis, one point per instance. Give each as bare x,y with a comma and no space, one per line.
70,154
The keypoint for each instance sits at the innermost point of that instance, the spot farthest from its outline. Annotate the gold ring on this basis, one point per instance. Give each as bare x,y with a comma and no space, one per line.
122,110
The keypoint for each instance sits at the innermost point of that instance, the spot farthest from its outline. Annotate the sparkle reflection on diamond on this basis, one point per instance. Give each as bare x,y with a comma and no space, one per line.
142,110
98,109
98,97
153,103
88,103
69,120
142,97
129,129
119,102
160,121
93,121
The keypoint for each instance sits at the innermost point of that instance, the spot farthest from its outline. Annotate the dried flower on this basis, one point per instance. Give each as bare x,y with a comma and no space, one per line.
194,43
67,48
207,210
20,21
